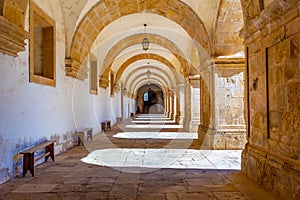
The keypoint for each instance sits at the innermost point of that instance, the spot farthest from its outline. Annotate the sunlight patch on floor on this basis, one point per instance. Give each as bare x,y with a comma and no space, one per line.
157,135
153,122
151,118
161,126
130,159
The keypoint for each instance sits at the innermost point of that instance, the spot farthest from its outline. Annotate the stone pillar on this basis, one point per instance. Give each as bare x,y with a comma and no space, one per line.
172,105
122,102
187,107
181,99
226,129
178,113
177,104
195,104
167,104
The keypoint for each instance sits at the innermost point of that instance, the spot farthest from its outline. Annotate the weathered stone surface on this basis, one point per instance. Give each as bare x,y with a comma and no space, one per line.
272,153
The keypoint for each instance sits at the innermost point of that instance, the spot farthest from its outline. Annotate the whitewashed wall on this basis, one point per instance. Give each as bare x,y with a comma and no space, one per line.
31,113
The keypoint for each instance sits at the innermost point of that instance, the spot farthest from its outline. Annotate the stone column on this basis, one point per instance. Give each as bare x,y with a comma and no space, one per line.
187,107
178,113
122,101
195,104
226,128
167,104
172,105
180,99
207,127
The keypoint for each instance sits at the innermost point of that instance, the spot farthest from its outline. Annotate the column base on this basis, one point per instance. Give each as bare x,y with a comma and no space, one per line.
194,124
171,116
222,139
167,114
177,119
186,124
181,120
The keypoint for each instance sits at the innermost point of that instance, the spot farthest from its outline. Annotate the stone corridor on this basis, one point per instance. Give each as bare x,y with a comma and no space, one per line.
147,157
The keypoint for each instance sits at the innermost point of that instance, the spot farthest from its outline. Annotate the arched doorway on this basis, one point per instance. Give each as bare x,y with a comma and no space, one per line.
150,99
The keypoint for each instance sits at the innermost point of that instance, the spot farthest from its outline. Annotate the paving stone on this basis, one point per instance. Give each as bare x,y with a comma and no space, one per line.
199,181
96,196
212,188
196,196
147,196
172,196
229,195
35,188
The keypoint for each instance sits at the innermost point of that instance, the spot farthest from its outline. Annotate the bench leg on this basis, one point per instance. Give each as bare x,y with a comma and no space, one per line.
80,136
31,168
103,126
89,135
28,164
50,149
25,164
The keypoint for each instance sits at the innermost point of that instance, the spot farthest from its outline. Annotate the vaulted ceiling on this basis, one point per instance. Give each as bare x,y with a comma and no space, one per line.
183,35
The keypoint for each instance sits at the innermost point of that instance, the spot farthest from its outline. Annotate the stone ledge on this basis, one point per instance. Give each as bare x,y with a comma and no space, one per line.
11,37
75,70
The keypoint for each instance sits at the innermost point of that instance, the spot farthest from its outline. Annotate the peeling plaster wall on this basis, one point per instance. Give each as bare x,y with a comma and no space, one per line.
31,113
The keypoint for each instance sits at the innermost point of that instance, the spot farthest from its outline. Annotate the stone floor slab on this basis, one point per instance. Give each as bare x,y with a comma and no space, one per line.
35,188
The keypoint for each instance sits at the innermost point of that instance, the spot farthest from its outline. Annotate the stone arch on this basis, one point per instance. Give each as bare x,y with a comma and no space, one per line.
148,67
132,60
135,39
155,76
105,12
251,10
227,41
143,81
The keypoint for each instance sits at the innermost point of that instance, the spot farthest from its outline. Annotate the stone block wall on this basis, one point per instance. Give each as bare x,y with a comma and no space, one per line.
226,128
230,101
272,38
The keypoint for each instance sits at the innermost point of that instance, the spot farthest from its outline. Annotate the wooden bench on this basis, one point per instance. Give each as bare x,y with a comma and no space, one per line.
80,135
119,120
105,125
28,155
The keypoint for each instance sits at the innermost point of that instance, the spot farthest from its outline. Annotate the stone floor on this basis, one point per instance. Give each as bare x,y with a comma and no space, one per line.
152,161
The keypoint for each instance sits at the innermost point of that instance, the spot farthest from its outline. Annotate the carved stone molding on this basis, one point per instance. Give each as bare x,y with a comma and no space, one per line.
117,88
11,37
229,66
75,70
103,82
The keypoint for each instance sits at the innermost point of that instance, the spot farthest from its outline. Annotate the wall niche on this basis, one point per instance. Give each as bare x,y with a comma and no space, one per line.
42,47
